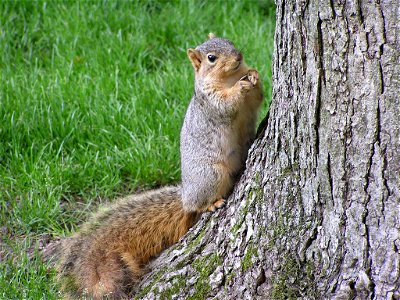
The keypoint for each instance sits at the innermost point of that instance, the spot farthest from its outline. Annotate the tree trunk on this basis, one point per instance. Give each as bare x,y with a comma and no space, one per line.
317,212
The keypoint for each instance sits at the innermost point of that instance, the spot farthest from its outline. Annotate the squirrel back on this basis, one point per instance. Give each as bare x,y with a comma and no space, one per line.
110,252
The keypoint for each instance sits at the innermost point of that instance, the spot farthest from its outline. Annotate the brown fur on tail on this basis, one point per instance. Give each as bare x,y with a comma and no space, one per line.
110,252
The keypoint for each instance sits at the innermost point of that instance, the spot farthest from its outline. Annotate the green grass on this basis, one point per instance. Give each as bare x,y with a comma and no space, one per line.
92,97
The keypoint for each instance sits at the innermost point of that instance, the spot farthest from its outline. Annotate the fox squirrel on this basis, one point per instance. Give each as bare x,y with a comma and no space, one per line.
219,124
110,252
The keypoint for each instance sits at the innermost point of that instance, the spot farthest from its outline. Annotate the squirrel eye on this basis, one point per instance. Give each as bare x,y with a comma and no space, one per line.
211,58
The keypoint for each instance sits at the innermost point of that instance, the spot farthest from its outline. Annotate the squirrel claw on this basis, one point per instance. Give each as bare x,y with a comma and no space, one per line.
245,84
244,78
217,204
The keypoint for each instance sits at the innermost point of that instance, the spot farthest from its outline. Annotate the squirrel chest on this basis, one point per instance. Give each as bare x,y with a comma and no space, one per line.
210,138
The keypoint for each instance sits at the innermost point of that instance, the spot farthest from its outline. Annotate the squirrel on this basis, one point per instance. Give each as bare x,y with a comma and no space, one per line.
110,252
219,124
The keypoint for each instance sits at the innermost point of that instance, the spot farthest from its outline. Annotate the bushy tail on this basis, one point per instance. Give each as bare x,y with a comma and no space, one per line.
110,252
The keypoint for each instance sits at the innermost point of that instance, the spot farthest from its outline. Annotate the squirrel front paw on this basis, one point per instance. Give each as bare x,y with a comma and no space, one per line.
253,76
248,81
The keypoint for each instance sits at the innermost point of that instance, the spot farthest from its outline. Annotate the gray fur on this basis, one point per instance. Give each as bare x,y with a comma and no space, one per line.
218,46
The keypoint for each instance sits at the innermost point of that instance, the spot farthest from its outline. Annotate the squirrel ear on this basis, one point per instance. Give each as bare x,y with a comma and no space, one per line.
195,58
211,36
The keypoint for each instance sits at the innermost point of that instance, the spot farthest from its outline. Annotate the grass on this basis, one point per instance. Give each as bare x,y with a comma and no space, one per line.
92,97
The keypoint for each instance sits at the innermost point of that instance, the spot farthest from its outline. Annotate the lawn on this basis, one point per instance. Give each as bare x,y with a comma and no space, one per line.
92,97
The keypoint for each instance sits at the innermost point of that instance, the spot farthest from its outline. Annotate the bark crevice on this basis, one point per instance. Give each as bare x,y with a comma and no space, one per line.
381,73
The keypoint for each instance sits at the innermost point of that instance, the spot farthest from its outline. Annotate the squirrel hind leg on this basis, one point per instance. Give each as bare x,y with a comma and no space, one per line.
216,205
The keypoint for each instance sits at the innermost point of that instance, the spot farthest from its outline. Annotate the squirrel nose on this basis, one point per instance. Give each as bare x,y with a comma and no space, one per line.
239,56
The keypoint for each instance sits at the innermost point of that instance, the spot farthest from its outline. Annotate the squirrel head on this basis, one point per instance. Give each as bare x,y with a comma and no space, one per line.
216,59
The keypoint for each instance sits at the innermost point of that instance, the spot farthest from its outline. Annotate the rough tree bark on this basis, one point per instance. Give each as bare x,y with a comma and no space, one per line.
317,212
